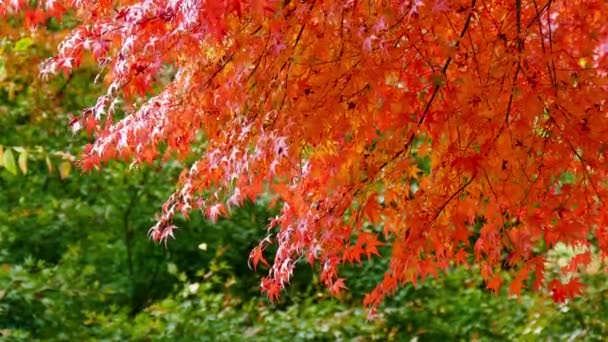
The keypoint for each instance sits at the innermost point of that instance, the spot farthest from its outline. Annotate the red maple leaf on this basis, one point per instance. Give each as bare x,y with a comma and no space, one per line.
561,292
337,286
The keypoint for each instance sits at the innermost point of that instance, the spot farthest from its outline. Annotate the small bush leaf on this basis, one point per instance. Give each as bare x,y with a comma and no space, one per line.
49,164
23,44
9,161
65,168
22,161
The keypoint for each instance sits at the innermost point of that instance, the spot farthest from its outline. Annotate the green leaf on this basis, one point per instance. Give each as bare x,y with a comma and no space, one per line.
23,44
9,161
568,178
172,268
2,70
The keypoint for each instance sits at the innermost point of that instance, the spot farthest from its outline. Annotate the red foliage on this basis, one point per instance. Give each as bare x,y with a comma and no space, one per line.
331,105
561,292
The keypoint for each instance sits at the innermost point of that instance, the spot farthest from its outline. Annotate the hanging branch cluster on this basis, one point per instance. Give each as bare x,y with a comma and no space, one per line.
465,130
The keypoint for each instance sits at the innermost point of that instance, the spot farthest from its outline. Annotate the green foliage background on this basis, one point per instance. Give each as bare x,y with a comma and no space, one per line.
76,264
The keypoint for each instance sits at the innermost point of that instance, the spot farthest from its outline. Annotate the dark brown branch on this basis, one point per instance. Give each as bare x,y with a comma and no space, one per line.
428,104
445,68
456,193
538,14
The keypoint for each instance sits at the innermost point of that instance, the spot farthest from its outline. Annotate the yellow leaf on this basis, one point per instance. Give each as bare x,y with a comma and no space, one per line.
49,165
582,62
22,161
1,155
65,168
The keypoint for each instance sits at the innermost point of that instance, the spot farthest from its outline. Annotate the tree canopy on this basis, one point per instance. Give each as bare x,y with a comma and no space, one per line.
455,132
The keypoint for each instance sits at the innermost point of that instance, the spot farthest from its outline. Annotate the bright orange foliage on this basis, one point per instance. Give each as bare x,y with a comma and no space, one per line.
470,132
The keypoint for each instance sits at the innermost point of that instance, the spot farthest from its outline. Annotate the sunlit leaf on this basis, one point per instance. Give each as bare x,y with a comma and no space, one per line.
23,44
2,70
49,164
65,168
22,161
9,161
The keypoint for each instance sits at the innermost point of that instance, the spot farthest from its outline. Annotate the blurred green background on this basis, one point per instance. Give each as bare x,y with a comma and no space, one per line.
76,263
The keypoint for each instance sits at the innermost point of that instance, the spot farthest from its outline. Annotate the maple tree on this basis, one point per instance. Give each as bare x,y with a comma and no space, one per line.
470,132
